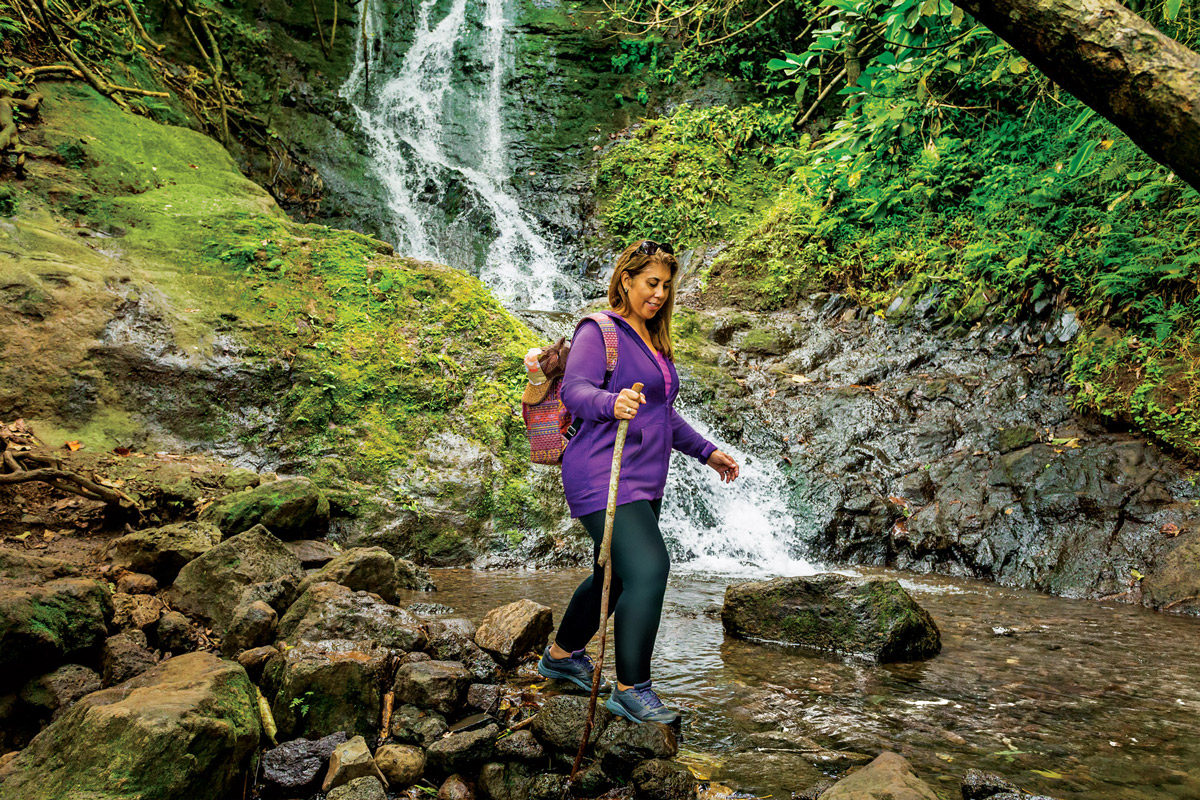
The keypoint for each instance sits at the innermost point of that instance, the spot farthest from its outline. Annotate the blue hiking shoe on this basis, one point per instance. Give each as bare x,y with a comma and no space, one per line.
640,704
576,668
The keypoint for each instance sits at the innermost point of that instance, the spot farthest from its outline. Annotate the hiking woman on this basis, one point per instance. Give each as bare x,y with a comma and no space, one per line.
642,296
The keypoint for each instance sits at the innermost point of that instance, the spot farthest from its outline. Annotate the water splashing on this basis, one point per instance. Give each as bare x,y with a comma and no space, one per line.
743,528
436,132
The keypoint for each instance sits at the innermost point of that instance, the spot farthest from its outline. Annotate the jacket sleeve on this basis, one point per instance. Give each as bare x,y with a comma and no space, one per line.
581,384
685,439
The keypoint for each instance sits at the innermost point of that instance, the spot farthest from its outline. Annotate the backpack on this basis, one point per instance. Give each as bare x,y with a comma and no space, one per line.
548,424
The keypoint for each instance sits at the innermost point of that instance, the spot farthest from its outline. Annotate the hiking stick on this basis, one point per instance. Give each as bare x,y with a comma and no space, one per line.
604,561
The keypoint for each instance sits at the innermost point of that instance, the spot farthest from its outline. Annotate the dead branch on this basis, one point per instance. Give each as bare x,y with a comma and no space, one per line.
69,482
96,83
801,119
137,23
320,28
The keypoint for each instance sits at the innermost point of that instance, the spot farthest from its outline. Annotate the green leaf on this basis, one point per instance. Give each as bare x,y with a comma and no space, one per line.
956,18
1171,8
1080,158
1049,773
1087,114
779,63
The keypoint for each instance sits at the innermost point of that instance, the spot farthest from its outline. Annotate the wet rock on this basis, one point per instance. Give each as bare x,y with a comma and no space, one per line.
417,726
332,611
413,578
872,618
440,685
461,752
415,657
367,569
136,583
1006,440
185,728
456,787
326,686
212,586
763,342
54,693
125,655
625,744
255,660
888,777
42,625
279,594
549,786
510,632
979,785
429,609
504,781
176,634
349,761
452,640
290,509
297,765
367,788
402,764
559,725
594,781
813,792
163,551
313,552
1174,584
521,745
253,625
483,696
659,779
140,611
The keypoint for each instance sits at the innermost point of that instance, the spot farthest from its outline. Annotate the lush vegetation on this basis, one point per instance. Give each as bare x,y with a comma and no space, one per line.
949,171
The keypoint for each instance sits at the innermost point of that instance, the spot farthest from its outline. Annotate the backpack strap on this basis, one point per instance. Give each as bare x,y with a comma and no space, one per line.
609,329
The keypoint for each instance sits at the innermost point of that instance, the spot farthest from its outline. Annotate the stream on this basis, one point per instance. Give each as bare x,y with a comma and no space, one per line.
1072,698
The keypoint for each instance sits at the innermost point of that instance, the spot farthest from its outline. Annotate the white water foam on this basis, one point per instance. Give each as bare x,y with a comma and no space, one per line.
408,119
738,529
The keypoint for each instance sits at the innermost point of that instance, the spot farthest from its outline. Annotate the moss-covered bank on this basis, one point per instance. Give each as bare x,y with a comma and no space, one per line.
154,296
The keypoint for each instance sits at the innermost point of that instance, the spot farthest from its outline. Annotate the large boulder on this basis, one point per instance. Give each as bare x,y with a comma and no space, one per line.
367,569
417,726
1174,584
216,583
412,577
52,694
332,611
293,508
440,685
136,611
888,777
453,640
560,723
323,687
461,752
511,631
163,551
125,656
626,744
504,781
871,618
402,764
350,761
44,620
185,728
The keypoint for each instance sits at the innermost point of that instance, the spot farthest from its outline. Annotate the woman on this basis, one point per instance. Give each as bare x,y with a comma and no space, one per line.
642,296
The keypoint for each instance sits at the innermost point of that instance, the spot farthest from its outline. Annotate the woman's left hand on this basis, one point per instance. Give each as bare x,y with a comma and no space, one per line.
725,466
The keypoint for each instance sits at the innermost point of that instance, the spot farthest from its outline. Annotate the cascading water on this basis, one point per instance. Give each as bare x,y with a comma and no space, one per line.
437,137
742,528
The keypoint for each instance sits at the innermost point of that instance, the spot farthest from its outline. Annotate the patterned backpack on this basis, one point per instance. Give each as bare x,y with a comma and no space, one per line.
547,421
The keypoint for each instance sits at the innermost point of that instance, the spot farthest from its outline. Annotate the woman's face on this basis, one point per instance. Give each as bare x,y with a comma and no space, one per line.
648,290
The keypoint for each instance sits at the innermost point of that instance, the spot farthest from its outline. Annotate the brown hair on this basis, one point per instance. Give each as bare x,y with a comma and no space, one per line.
631,262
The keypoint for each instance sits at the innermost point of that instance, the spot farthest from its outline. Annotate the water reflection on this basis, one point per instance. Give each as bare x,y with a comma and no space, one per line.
1071,698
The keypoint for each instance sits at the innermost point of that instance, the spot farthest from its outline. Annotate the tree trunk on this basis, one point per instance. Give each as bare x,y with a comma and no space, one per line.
1144,82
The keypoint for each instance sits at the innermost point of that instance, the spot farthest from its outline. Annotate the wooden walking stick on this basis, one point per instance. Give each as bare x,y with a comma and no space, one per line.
604,561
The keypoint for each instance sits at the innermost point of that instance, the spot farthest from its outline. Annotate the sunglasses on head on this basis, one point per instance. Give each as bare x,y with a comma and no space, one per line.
649,247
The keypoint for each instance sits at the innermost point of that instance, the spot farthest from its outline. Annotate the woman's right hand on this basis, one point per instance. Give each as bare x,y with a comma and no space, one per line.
626,405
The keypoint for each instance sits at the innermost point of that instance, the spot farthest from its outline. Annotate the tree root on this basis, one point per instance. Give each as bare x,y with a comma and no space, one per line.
13,472
10,139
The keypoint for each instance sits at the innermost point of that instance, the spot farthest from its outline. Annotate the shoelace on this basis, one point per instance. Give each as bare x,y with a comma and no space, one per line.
585,660
648,697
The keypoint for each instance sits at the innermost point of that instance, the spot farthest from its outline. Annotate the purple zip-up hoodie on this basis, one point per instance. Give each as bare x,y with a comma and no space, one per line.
655,430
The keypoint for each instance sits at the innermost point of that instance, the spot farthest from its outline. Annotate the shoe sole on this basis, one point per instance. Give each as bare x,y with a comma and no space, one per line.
548,672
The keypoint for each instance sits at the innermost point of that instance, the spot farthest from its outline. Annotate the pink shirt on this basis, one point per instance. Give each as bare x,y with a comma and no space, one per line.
666,371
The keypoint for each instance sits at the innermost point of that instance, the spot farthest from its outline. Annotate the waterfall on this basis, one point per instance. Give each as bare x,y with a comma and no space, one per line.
436,132
742,528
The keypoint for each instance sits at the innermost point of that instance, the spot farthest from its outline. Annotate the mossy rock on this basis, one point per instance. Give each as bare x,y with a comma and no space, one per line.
872,618
1175,583
331,611
185,728
40,626
764,342
328,686
165,550
213,585
290,509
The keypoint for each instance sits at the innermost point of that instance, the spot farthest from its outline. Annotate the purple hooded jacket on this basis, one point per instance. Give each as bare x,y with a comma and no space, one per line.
655,430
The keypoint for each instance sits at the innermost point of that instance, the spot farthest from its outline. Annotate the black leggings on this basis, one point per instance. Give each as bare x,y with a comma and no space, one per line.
639,581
